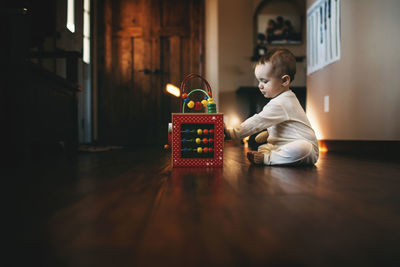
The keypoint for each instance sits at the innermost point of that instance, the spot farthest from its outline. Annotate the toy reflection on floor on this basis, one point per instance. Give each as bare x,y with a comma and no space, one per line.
197,138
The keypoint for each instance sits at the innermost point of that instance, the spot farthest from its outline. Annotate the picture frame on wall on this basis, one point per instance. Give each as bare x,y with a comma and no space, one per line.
280,29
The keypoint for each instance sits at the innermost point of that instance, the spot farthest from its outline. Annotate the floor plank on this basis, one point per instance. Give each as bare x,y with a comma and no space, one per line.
130,208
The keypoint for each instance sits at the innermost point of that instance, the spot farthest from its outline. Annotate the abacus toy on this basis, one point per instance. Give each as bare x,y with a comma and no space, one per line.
197,138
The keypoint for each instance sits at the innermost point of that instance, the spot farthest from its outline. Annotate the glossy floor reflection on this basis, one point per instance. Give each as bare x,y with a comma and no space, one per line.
130,208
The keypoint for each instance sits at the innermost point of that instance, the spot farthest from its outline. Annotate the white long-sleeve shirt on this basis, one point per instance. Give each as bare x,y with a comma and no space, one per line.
283,117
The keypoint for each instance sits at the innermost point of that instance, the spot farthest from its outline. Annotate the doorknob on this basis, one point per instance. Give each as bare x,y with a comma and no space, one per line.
154,71
145,71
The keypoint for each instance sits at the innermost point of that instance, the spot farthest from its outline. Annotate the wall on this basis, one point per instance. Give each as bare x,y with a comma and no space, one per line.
211,47
363,86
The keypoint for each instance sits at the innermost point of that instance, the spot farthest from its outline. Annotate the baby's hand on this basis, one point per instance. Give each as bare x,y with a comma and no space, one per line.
226,133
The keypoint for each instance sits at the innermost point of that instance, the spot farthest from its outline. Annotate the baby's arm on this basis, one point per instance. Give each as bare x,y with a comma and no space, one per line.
272,114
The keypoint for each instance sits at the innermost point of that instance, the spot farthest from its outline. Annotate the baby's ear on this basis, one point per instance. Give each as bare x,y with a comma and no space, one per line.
286,80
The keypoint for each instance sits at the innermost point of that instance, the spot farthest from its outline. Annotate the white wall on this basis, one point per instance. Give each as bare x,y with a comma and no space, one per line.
363,86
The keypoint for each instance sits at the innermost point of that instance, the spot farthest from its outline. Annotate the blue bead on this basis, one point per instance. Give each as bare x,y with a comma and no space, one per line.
206,97
185,149
187,131
186,100
183,140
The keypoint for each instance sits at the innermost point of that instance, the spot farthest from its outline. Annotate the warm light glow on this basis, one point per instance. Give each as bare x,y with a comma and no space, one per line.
322,146
232,121
314,122
173,90
71,15
246,141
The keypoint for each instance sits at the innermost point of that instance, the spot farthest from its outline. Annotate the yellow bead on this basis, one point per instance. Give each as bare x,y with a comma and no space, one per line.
199,131
210,100
204,102
190,104
198,140
199,150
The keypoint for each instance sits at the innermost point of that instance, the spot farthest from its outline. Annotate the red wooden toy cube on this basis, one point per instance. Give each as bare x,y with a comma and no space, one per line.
197,139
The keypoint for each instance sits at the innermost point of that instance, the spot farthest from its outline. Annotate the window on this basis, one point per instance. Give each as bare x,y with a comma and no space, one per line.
71,15
323,34
86,31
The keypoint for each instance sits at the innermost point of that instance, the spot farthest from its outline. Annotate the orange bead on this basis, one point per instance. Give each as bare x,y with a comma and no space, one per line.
205,131
184,95
205,150
205,140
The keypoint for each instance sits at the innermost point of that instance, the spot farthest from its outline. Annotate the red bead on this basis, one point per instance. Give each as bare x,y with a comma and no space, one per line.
210,150
205,131
205,140
209,93
210,140
184,95
198,106
211,131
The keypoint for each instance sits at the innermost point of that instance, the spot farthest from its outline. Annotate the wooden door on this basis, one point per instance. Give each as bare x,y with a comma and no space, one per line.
143,46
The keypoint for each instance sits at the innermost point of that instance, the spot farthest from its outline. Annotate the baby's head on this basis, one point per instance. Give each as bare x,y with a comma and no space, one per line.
275,71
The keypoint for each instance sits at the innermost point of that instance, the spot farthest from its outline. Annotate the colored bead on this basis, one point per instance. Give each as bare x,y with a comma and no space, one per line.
205,131
211,131
183,140
211,107
166,146
210,140
186,100
198,140
206,97
204,103
209,93
210,100
187,131
199,131
199,150
205,150
205,140
190,104
185,149
210,150
198,106
184,95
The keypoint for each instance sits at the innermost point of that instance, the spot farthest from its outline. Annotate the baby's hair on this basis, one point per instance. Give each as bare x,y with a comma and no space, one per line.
282,61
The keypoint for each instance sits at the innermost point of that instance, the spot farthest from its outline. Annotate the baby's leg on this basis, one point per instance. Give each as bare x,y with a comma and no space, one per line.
294,153
257,157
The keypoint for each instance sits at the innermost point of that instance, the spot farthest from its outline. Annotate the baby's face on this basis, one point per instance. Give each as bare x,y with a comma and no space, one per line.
269,85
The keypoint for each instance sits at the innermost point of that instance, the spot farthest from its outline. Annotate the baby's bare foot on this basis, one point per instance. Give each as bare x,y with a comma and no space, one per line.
255,157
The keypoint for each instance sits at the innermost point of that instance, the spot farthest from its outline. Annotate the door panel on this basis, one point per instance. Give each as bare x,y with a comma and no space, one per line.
145,45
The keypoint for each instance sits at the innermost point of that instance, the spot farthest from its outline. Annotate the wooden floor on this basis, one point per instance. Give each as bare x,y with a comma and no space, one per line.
130,208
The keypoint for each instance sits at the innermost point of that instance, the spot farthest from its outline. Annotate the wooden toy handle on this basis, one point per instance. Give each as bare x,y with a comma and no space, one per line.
191,76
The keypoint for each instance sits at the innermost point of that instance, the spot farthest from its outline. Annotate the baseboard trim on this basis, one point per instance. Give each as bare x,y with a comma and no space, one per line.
388,149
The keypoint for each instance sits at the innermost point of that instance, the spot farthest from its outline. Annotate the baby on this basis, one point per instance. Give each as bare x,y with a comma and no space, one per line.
291,139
